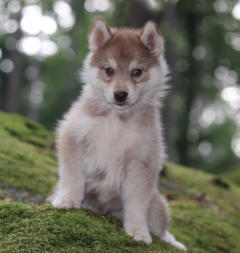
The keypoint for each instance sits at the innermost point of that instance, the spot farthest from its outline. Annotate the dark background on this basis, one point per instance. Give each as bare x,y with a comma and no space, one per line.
43,44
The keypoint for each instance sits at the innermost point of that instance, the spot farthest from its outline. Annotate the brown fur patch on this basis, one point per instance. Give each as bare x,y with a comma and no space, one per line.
113,204
158,214
124,117
67,147
91,108
146,117
94,25
124,46
98,175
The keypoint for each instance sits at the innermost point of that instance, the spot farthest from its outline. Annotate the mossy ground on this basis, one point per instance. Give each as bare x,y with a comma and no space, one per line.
26,155
205,209
234,175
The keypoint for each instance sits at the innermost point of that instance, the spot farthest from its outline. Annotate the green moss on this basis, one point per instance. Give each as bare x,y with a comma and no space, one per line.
25,130
26,155
205,210
195,182
205,229
233,175
25,228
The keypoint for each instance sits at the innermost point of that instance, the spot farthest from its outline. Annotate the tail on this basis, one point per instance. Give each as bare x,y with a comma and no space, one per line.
168,237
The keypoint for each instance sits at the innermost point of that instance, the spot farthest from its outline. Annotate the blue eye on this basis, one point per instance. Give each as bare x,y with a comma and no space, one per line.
109,71
137,72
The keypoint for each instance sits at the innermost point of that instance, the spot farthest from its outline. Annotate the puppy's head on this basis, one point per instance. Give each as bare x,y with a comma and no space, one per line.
125,66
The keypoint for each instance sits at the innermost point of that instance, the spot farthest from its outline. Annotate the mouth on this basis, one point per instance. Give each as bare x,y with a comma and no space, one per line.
121,106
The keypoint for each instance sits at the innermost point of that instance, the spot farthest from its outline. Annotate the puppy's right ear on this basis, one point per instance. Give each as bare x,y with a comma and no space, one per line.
99,35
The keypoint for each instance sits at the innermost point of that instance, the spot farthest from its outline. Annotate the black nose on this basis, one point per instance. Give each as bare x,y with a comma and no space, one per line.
120,96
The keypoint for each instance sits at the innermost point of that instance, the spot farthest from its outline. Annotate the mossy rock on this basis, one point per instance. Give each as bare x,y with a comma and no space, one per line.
27,160
205,209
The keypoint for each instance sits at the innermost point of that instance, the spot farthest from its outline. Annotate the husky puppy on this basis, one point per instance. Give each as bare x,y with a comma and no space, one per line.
109,146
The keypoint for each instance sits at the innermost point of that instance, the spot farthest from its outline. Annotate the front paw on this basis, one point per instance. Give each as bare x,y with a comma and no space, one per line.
139,233
64,202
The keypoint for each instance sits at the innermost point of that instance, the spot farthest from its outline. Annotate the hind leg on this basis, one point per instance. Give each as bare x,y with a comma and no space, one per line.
158,215
159,218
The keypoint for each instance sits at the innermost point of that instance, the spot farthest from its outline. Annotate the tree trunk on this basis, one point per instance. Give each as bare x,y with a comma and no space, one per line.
140,13
72,89
11,97
170,17
191,88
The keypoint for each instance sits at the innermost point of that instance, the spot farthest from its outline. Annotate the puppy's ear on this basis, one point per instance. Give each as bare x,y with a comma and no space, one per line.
152,38
99,35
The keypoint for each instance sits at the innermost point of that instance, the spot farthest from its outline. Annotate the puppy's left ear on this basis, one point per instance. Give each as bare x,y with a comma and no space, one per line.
152,38
99,34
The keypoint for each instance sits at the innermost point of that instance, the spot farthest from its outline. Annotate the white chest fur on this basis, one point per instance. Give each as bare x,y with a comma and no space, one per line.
108,140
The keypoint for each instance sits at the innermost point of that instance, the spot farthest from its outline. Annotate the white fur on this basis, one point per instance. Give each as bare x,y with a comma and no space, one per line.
117,159
168,237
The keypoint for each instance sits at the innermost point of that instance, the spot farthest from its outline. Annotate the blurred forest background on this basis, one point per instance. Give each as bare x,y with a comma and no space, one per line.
43,44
